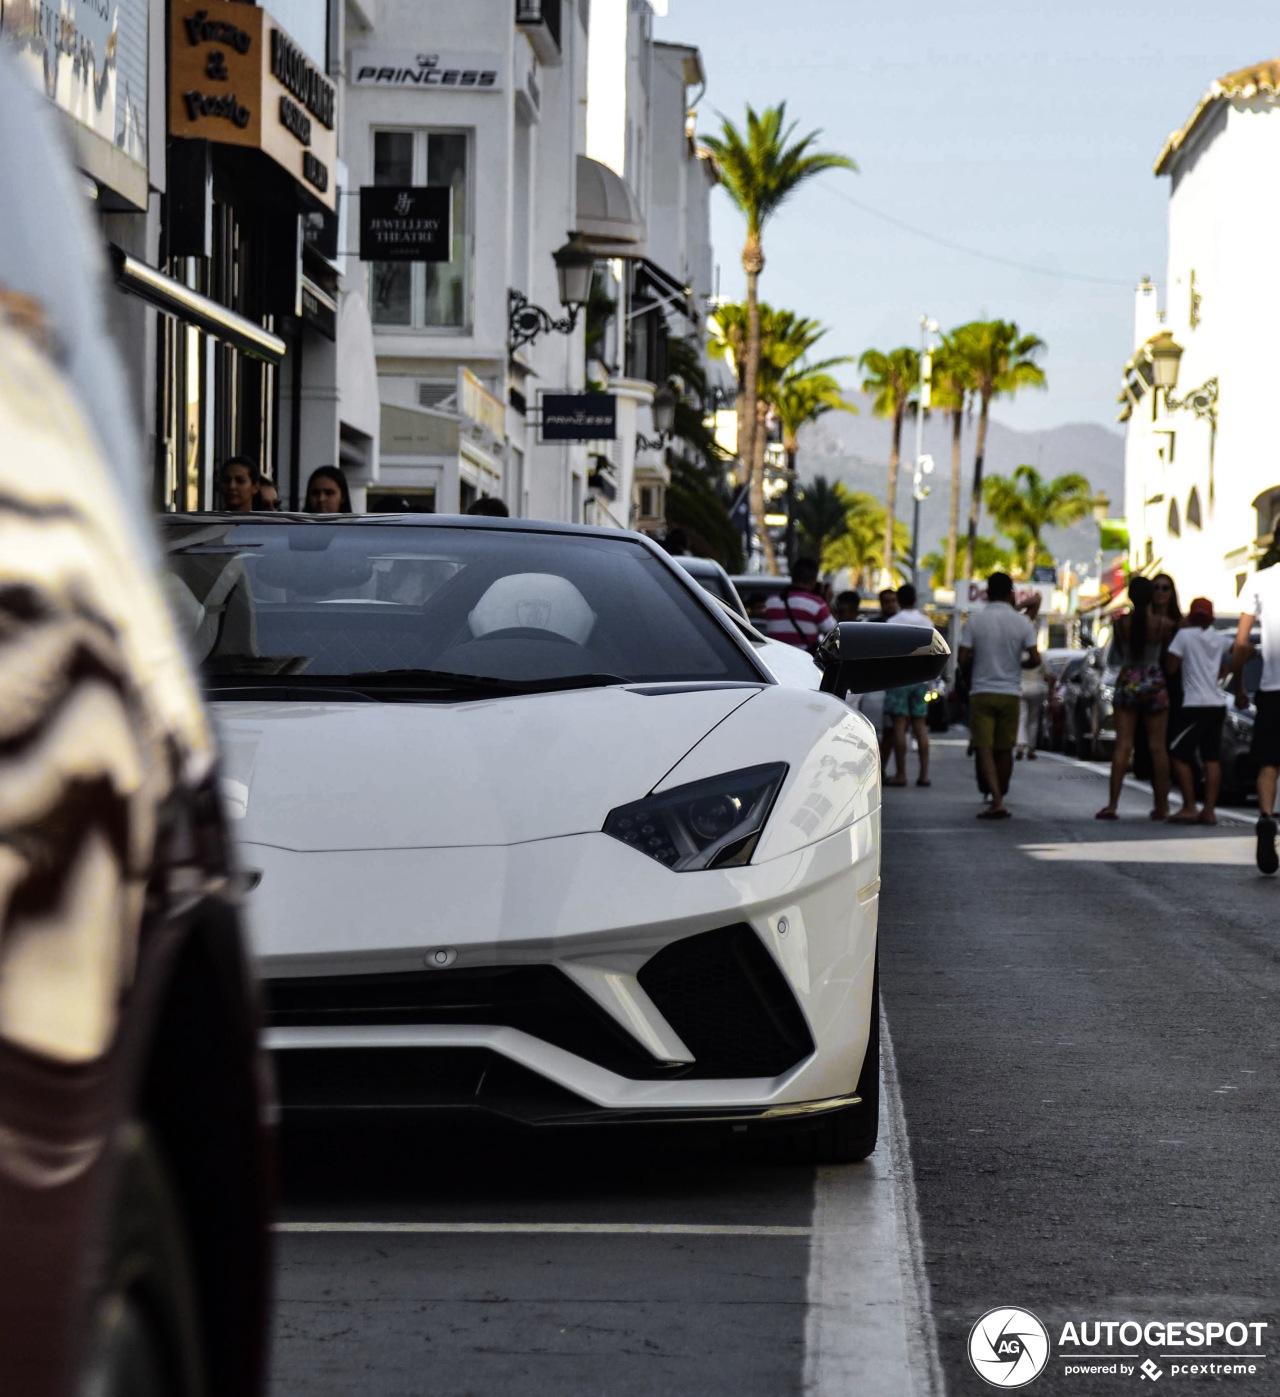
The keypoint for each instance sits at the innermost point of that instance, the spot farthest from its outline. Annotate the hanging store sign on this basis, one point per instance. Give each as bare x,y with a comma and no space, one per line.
428,70
236,78
405,224
90,57
579,417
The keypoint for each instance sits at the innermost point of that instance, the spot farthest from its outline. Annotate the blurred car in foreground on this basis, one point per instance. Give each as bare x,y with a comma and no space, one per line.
134,1157
536,833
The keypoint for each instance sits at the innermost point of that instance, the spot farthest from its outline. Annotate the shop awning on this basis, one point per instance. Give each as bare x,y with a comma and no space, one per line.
171,296
608,216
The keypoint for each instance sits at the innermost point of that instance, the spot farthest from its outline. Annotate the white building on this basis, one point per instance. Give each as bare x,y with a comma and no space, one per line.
543,118
1202,475
487,99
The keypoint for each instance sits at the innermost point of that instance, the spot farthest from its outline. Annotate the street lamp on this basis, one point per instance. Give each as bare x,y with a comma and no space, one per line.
1165,354
924,464
664,419
575,266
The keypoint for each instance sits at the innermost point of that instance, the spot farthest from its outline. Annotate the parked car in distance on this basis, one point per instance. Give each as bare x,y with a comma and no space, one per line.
708,573
1060,666
755,589
135,1168
1088,698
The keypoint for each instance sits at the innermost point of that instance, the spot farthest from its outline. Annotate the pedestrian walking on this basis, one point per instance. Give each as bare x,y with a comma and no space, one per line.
1199,656
328,492
1139,644
889,605
1035,689
995,645
799,616
846,606
1260,602
1164,602
908,706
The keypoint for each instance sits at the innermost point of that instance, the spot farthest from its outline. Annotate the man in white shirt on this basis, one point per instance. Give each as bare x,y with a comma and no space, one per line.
1260,601
998,641
1202,655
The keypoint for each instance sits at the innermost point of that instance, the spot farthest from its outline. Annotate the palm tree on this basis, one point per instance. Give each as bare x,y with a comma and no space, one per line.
892,378
761,168
952,386
1025,504
803,396
822,514
1002,361
989,555
861,547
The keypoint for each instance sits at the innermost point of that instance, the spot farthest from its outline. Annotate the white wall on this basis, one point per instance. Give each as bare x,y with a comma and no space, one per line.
1223,211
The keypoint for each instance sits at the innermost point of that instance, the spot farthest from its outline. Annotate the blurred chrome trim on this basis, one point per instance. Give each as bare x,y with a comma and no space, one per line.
169,295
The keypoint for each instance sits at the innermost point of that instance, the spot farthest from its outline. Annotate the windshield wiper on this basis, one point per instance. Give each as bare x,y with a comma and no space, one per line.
478,683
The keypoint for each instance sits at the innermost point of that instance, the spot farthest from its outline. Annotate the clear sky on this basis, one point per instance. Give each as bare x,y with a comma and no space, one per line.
1026,130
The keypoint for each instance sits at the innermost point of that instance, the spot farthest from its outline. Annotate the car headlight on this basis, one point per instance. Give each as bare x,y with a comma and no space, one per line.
708,824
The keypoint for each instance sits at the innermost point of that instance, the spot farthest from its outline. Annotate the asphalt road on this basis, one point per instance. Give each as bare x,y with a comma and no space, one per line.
1083,1019
1085,1022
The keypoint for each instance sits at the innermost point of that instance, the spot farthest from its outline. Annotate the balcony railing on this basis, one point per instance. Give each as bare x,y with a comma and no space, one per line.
540,20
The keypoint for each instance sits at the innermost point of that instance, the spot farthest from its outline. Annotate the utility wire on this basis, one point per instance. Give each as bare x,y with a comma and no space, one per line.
970,251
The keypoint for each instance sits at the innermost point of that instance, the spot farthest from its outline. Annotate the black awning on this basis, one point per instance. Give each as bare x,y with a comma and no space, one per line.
171,296
653,282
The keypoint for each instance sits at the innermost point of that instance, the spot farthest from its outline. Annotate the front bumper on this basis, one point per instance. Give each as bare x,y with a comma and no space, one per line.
601,920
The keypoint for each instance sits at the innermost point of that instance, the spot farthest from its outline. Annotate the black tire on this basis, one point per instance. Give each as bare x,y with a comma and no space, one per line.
145,1331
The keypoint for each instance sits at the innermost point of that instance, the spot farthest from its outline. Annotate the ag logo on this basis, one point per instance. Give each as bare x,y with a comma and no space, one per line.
1008,1347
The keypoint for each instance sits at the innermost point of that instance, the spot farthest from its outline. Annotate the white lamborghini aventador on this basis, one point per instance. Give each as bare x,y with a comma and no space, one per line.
528,826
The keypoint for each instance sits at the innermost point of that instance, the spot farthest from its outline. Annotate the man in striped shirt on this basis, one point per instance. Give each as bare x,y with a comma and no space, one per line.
799,616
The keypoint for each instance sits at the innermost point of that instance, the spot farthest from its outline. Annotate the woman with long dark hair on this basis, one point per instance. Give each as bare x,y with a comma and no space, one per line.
1139,643
1164,602
328,492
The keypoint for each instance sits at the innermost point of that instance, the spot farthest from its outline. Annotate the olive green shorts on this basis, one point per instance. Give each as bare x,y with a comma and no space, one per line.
993,721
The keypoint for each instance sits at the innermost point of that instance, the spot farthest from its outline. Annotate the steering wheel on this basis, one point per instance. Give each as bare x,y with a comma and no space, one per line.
527,633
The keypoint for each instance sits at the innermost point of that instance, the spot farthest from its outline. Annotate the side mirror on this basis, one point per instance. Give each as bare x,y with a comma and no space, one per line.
863,657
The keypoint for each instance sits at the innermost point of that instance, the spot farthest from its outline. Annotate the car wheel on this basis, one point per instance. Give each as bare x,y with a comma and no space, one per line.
145,1334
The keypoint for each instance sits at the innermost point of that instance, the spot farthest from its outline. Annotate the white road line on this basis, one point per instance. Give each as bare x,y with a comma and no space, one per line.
673,1229
869,1328
1229,817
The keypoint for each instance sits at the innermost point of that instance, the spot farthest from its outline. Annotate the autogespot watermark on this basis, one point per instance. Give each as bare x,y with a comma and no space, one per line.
1010,1347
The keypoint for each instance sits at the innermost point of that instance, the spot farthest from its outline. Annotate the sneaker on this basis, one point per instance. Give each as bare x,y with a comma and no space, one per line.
1268,860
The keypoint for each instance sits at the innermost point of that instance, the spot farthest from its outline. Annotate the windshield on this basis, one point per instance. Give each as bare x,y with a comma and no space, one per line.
290,603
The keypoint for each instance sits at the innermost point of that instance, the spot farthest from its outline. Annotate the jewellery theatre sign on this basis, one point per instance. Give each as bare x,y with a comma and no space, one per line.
236,78
405,224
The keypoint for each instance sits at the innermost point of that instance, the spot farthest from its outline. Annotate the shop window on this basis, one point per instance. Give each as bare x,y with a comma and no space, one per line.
1193,510
1175,523
425,295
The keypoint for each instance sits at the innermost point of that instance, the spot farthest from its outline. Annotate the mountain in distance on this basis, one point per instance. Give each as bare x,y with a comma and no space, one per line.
855,450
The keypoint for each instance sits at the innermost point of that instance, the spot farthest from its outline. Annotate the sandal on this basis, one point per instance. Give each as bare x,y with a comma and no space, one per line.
994,815
1106,813
1205,820
923,782
896,781
1181,819
1156,815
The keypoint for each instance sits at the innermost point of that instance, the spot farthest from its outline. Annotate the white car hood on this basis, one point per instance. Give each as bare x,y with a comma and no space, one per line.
330,776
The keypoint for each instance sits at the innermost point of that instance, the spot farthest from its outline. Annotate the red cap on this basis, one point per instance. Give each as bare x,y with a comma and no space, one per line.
1201,606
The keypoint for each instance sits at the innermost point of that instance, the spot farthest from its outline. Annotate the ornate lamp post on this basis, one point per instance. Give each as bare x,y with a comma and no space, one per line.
575,265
